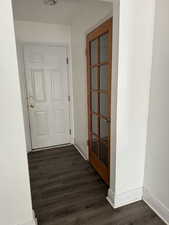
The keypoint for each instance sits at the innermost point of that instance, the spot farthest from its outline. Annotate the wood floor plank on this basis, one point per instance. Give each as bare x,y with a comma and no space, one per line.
67,191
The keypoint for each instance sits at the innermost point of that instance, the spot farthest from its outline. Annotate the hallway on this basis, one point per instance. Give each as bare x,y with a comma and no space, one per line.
67,191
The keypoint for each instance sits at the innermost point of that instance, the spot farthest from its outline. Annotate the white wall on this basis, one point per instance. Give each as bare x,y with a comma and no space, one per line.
87,18
32,32
157,157
134,71
15,197
42,32
115,51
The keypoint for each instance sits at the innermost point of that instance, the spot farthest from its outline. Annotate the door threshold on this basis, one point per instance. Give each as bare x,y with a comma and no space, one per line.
50,147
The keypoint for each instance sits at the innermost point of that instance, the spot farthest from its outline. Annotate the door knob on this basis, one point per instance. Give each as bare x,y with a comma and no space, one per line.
31,106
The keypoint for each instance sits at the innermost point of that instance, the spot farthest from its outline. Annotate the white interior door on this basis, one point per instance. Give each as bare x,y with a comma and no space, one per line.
47,89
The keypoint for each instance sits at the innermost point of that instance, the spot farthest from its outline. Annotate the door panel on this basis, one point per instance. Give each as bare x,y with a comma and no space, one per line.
38,85
59,121
42,123
47,89
57,85
99,63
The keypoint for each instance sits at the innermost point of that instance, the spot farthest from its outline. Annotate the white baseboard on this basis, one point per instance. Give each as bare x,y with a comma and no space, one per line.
119,200
81,152
156,205
50,147
110,197
32,222
34,217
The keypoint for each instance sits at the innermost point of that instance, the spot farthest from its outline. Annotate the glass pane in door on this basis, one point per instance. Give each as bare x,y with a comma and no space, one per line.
104,130
94,52
104,48
95,145
104,77
94,101
104,141
103,153
94,78
95,128
104,105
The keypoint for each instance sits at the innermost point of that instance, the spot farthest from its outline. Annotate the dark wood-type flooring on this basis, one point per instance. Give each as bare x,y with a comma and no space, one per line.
67,191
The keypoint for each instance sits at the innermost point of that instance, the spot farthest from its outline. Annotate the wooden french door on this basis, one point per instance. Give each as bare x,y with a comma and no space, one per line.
99,66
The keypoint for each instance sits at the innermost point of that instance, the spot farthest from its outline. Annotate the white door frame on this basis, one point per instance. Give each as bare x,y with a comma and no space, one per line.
20,47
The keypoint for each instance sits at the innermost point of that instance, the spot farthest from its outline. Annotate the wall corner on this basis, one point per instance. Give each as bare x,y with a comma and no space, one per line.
117,200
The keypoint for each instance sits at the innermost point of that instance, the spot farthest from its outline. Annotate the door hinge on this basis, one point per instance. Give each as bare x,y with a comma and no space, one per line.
69,98
67,60
70,131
